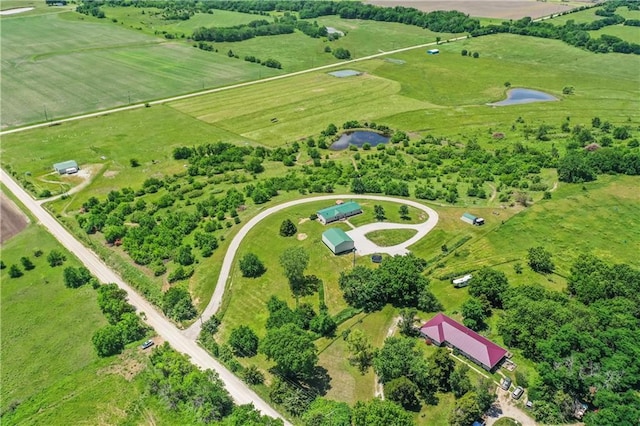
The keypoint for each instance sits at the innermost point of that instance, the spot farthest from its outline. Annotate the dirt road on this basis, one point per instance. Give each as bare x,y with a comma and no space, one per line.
238,390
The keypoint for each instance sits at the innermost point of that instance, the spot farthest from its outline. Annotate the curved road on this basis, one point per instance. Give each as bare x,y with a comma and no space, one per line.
227,264
238,390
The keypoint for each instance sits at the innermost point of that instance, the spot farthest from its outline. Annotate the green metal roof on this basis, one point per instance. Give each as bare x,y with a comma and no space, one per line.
65,165
336,236
344,208
469,216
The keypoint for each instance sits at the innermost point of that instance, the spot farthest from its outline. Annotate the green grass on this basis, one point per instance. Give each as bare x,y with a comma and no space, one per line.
506,421
50,371
391,211
625,32
101,66
391,237
150,19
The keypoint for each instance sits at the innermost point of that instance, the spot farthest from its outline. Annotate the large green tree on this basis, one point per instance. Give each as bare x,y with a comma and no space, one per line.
491,284
244,341
404,392
294,261
108,341
325,412
539,260
251,266
293,351
380,413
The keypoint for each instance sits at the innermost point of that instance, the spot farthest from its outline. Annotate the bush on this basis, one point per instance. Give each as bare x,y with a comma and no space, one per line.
177,304
287,228
56,258
108,341
251,266
27,263
253,376
15,271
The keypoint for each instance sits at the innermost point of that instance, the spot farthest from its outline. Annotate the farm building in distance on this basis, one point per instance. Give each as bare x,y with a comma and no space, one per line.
462,281
338,212
471,219
433,51
66,167
443,330
337,240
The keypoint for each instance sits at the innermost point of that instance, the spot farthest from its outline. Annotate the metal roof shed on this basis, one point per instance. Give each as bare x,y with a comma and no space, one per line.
66,167
337,240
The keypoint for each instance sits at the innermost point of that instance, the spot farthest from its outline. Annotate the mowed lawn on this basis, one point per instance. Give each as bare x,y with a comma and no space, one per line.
50,371
58,65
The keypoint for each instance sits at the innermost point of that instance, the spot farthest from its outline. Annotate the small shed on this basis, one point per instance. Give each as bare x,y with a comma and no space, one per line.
337,212
66,167
337,240
433,51
471,219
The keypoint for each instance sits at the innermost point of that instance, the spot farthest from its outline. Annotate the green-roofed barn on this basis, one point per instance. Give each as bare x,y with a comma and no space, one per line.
337,240
339,211
66,167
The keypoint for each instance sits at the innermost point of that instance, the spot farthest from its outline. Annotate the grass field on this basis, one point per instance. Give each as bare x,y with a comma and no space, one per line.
390,237
50,372
625,32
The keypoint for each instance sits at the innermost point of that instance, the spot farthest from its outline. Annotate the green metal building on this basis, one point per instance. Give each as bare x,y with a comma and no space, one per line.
339,211
337,240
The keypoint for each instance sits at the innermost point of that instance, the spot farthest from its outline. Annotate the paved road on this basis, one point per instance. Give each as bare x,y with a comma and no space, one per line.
227,263
238,390
219,89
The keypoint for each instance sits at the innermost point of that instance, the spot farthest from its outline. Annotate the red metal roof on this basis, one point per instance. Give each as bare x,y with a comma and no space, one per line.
442,329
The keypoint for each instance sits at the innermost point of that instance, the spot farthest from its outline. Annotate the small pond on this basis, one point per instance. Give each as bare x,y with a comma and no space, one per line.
524,96
358,138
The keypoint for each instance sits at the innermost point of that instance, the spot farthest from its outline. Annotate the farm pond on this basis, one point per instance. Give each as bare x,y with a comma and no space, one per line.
358,138
524,96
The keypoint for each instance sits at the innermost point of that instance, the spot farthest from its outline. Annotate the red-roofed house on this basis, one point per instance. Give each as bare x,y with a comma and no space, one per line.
443,330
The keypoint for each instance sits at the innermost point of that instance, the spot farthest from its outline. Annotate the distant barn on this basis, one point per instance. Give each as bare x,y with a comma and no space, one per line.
472,220
66,167
433,51
337,241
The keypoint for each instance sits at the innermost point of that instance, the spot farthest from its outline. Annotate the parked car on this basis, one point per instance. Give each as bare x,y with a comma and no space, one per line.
147,344
506,383
517,393
529,404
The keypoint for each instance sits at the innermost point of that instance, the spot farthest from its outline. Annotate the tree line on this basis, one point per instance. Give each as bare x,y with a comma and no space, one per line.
575,34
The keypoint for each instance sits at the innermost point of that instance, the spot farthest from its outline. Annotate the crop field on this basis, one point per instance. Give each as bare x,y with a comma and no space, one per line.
487,8
99,65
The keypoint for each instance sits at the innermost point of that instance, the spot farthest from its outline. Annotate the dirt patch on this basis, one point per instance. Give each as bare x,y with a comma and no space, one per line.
128,367
303,220
12,220
110,173
302,237
512,9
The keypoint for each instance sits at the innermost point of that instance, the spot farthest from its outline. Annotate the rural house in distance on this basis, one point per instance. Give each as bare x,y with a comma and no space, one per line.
338,212
443,330
66,167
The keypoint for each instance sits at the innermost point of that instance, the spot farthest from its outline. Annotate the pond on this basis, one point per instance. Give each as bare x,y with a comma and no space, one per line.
524,96
358,138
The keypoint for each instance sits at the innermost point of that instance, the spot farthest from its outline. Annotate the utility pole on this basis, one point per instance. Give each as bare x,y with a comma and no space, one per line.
46,118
